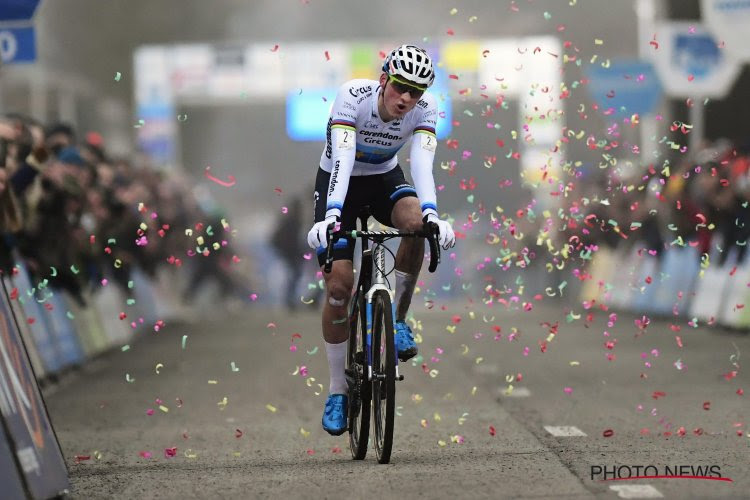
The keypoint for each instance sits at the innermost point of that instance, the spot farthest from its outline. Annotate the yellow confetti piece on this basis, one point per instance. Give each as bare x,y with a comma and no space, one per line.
465,348
199,240
296,371
479,360
271,408
574,363
454,11
237,454
234,367
143,226
213,382
424,423
434,373
97,455
462,418
598,41
509,390
188,232
304,432
441,443
129,379
474,391
223,403
164,408
224,223
158,367
190,454
416,398
307,302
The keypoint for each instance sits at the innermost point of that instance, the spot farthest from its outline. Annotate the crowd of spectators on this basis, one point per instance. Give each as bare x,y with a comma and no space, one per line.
74,215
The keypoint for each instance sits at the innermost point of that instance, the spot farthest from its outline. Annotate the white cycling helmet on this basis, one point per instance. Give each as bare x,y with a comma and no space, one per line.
412,63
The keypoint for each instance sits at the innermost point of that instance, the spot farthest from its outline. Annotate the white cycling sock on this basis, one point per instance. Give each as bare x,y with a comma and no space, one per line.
336,364
405,283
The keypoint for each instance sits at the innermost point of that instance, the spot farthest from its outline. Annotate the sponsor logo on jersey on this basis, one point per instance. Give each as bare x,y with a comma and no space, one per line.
355,92
379,138
334,178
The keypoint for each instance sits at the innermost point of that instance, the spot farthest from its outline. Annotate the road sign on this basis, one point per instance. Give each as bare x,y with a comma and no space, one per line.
691,63
17,45
629,86
17,10
728,21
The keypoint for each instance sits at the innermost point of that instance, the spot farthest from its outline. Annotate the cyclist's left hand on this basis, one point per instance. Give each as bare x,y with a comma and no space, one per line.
446,237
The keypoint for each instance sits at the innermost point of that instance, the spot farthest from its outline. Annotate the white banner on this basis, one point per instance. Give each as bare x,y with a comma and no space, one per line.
690,62
729,20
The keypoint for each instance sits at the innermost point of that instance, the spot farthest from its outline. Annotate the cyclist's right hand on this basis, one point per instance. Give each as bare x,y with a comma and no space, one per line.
318,235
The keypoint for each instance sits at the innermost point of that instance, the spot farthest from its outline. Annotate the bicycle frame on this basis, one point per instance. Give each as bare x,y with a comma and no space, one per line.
373,258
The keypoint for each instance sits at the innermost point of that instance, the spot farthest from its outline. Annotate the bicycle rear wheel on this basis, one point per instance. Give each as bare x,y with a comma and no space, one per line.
384,375
356,378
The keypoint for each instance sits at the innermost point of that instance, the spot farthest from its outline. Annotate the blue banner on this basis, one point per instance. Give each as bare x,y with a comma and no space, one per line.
17,10
17,45
628,86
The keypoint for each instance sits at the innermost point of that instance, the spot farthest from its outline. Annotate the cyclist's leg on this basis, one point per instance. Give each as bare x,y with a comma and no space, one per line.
398,206
339,283
407,216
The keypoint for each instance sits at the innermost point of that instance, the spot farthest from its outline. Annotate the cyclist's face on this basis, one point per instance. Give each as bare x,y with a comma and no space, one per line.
398,97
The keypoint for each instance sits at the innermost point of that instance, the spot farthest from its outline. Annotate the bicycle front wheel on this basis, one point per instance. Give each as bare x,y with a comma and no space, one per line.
384,375
356,378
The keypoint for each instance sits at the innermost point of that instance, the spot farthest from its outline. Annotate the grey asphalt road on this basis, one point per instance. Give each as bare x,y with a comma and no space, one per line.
239,407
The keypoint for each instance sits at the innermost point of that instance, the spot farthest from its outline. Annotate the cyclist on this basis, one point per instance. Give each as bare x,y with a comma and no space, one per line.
370,121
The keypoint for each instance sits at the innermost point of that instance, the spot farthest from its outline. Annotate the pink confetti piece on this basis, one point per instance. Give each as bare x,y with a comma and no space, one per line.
170,452
231,182
145,454
328,56
275,48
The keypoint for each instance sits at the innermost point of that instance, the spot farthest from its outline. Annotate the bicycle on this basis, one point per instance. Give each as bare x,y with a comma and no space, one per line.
372,360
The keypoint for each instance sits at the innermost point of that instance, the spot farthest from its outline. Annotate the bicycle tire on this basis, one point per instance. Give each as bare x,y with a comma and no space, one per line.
359,389
384,364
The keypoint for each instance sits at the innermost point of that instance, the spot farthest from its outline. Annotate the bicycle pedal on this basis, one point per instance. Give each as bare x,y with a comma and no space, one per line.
400,378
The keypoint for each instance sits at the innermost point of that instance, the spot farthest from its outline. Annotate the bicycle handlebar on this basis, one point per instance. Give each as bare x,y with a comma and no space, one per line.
429,231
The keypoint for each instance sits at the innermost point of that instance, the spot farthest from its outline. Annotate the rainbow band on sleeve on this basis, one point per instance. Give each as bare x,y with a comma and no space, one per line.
425,130
343,124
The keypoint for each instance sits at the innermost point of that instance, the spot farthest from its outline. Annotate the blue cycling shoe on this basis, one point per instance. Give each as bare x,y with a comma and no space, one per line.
405,345
334,415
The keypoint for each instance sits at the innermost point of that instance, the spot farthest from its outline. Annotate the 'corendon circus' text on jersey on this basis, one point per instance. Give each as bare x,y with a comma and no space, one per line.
359,143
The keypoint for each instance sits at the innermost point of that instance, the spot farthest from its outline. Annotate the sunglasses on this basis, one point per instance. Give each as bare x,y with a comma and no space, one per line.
402,86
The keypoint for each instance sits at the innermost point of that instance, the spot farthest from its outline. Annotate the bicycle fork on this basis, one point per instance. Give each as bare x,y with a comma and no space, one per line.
378,283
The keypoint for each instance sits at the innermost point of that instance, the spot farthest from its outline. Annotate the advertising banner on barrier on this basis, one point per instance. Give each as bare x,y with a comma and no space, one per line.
691,62
728,21
11,483
24,415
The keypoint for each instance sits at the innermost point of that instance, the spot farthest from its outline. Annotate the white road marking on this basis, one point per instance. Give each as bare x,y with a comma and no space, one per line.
517,392
564,430
636,491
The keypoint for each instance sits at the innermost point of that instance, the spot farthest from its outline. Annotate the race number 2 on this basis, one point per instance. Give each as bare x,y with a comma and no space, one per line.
429,142
345,139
